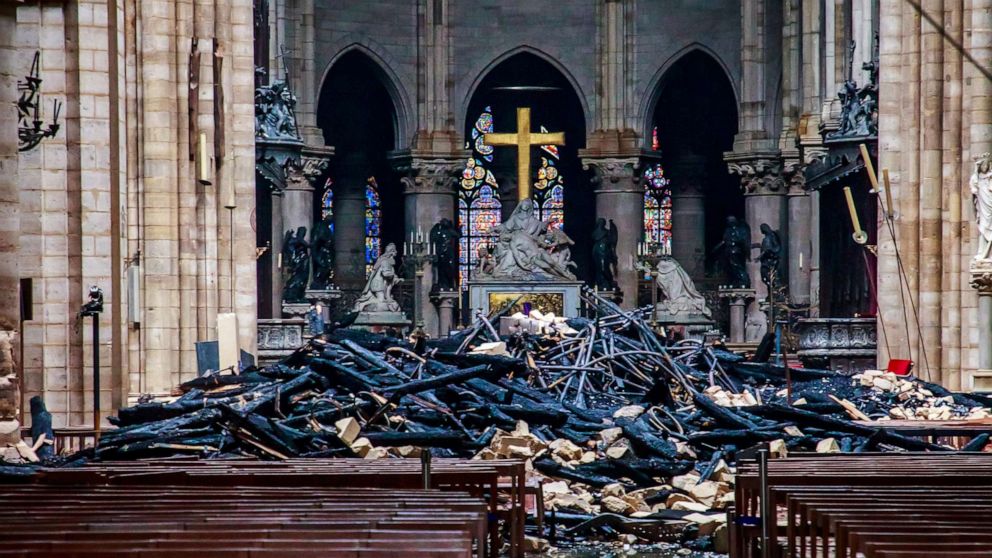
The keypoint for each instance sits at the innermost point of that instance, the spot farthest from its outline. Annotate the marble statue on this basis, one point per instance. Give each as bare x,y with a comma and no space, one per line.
378,293
681,297
735,250
604,254
296,260
981,196
771,254
527,249
444,240
322,253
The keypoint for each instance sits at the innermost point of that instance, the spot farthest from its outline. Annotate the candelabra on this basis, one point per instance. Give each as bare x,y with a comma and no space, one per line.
649,254
419,251
29,130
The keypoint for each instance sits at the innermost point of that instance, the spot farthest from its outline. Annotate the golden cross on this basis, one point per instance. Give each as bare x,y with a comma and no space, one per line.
523,138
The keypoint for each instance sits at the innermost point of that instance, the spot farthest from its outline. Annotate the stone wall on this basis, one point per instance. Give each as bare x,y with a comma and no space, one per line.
116,188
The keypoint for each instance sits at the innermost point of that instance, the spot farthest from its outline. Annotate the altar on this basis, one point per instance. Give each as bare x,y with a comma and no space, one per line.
558,297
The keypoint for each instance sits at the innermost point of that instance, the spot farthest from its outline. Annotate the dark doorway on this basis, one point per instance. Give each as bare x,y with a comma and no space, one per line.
357,115
694,123
526,80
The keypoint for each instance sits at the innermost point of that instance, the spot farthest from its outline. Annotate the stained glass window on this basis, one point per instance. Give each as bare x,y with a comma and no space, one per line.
479,208
327,204
655,144
549,192
373,224
658,208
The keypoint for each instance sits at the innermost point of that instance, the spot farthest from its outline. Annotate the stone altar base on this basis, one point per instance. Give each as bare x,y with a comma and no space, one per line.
379,322
561,298
843,344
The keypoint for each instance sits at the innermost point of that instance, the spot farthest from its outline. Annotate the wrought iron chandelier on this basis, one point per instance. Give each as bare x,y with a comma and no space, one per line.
29,123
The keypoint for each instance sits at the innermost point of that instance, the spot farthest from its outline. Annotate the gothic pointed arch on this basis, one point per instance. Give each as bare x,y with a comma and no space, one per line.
559,188
358,116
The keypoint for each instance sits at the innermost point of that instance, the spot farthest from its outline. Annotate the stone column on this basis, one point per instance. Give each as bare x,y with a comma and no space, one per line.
764,202
277,232
620,196
297,203
981,280
349,225
799,240
689,213
428,196
10,369
9,193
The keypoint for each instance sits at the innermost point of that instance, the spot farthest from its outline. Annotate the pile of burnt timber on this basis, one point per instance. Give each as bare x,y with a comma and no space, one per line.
907,505
629,433
159,521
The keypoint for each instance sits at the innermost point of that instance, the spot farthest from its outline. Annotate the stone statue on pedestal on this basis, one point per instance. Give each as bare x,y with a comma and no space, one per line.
528,250
682,300
735,250
771,255
322,249
378,293
444,240
981,195
604,254
296,260
275,112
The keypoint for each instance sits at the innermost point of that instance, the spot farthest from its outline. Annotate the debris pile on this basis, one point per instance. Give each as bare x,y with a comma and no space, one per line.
630,433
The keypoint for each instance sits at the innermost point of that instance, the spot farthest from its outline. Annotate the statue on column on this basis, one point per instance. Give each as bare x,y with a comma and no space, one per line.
444,240
378,293
604,254
681,297
981,196
771,254
322,249
735,249
296,259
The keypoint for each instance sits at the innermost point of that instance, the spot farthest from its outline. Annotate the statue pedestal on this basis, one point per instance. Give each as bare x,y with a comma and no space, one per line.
738,304
378,322
295,309
561,298
325,298
694,326
445,301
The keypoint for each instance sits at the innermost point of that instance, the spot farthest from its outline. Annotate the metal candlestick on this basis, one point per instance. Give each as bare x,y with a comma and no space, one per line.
419,252
649,254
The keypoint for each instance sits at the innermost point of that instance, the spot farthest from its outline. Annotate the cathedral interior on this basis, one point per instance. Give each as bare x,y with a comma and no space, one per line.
423,270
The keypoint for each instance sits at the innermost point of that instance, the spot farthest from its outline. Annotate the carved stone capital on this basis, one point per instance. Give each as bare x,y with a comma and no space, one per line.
760,176
794,174
614,173
434,176
981,276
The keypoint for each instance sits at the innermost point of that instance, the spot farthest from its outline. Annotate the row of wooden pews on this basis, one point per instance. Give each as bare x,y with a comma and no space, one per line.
334,507
878,505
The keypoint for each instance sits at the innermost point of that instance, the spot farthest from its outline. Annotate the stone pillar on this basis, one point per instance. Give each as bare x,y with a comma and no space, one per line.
981,280
764,202
799,240
445,303
349,225
689,213
278,233
428,196
620,196
10,370
738,300
9,193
